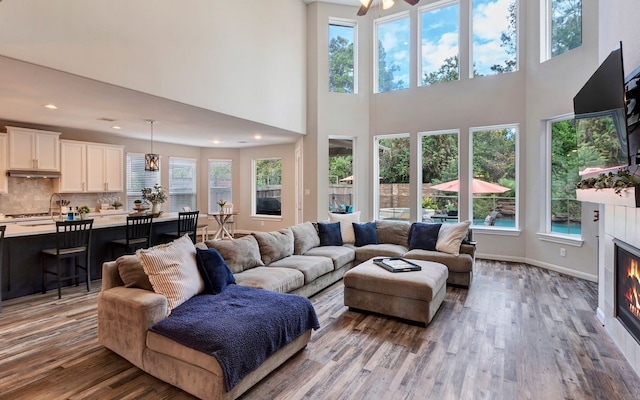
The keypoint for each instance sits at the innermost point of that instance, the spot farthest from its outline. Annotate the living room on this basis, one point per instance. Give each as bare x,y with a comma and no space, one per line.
147,55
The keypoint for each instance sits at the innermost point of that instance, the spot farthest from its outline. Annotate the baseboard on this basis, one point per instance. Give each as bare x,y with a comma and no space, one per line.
600,315
540,264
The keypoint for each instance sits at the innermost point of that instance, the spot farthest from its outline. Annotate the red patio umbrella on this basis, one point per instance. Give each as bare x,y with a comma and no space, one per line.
478,186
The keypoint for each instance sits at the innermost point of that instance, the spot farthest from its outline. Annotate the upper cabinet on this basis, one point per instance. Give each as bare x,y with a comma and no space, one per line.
4,187
91,167
32,149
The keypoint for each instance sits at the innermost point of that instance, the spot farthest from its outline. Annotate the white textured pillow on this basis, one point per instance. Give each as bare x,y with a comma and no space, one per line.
346,227
450,237
173,270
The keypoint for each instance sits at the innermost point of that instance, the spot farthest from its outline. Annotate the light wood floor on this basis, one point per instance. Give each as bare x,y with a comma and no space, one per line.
519,333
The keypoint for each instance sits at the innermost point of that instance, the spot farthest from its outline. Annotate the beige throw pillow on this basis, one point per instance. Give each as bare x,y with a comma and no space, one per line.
305,237
240,254
346,226
132,273
450,237
172,270
274,245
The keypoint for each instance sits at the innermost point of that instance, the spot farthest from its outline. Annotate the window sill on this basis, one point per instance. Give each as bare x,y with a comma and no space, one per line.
561,239
258,217
495,231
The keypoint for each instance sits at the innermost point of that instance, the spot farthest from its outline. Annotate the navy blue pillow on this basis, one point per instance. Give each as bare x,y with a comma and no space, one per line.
423,236
330,234
365,233
214,271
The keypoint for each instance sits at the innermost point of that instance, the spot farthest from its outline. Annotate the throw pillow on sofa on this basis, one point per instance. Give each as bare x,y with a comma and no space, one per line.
423,236
305,237
450,237
239,254
275,245
330,234
346,227
366,233
214,271
132,273
173,270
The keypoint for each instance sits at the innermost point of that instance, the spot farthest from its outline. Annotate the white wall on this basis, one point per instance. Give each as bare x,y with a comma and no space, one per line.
246,59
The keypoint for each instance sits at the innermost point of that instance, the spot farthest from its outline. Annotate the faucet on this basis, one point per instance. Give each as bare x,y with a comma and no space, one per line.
59,196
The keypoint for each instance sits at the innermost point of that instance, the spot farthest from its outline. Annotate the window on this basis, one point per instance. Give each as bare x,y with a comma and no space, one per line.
182,184
493,188
564,210
219,183
341,189
342,56
392,35
138,178
495,38
392,177
439,165
267,183
439,37
561,26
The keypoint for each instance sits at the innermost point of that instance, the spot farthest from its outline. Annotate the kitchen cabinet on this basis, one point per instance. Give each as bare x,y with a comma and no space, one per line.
33,150
4,182
91,167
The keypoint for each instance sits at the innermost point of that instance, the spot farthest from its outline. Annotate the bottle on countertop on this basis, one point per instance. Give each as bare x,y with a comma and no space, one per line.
70,214
76,215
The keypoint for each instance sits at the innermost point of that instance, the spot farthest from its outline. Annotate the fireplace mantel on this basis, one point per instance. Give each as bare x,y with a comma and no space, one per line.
626,198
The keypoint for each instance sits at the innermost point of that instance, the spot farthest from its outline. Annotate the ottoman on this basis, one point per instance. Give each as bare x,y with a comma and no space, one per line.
414,295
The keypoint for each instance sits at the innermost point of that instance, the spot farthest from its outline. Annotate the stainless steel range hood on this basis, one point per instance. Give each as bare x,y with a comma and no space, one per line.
33,174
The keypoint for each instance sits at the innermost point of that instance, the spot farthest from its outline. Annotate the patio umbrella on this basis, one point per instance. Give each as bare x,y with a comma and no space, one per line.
478,186
347,179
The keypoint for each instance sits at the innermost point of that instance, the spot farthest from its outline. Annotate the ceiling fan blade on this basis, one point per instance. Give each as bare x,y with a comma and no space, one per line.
363,9
412,2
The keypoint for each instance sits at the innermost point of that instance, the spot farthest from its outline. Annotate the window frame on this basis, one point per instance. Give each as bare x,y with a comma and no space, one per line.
546,33
376,62
155,174
351,24
254,188
194,178
354,184
471,41
376,168
213,207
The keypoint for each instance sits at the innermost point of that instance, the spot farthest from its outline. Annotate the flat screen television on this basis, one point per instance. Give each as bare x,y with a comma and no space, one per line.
609,96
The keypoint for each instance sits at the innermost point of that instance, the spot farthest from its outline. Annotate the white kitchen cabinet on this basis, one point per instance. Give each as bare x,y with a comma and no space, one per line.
33,150
73,166
4,182
91,167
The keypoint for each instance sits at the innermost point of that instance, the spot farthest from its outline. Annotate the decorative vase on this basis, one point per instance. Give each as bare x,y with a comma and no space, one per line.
155,208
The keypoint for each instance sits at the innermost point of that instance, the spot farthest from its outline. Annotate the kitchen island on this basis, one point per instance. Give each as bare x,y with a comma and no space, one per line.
24,239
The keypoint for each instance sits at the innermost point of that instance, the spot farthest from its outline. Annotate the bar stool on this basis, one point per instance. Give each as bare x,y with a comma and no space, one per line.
73,239
2,229
138,234
187,224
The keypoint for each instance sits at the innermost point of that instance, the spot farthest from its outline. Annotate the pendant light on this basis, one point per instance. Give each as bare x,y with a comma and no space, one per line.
151,160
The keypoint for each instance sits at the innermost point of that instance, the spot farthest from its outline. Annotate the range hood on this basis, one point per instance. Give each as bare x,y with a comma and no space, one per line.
33,174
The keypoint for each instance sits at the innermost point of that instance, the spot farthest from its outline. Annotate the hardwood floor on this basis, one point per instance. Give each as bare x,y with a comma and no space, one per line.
519,332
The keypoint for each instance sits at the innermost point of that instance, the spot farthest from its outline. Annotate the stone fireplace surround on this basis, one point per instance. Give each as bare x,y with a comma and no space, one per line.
622,223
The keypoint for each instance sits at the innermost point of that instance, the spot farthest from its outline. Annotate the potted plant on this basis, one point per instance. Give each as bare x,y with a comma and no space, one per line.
156,196
84,210
117,205
221,204
620,188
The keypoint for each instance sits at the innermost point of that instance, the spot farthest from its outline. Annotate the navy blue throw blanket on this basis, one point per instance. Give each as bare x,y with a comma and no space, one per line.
241,326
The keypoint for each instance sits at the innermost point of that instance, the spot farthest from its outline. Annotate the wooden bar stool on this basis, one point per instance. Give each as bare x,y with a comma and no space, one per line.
73,239
187,224
138,234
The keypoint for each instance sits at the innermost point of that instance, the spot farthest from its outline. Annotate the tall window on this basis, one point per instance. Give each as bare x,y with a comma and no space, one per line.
219,183
561,26
392,36
493,187
342,56
495,37
182,184
565,211
341,174
392,176
439,166
439,36
138,178
267,183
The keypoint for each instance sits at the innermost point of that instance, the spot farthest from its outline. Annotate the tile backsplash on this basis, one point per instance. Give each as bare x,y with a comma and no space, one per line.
32,196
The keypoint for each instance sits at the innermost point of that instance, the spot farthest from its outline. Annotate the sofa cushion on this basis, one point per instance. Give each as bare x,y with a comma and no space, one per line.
346,227
172,270
132,273
214,271
274,245
460,263
423,236
451,236
340,255
393,232
283,280
305,237
365,233
329,233
239,254
311,267
379,250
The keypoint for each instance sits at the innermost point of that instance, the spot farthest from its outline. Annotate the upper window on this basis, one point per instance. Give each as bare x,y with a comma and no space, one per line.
439,37
392,177
562,26
182,184
267,183
392,36
440,184
495,36
342,56
493,187
138,178
219,183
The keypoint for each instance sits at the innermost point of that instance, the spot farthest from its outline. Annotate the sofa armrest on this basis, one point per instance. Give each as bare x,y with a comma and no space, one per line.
468,248
124,317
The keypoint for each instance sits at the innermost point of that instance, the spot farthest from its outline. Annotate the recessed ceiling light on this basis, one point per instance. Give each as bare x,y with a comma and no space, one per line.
51,106
257,137
117,127
215,141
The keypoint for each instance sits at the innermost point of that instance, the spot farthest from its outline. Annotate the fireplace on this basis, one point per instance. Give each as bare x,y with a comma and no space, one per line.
627,272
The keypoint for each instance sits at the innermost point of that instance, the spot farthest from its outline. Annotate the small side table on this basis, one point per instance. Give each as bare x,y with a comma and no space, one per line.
222,219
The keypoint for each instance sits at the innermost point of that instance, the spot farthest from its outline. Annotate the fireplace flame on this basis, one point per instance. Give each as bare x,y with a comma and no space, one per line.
632,285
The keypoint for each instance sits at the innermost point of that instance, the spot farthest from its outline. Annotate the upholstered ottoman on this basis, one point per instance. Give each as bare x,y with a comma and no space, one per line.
414,295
